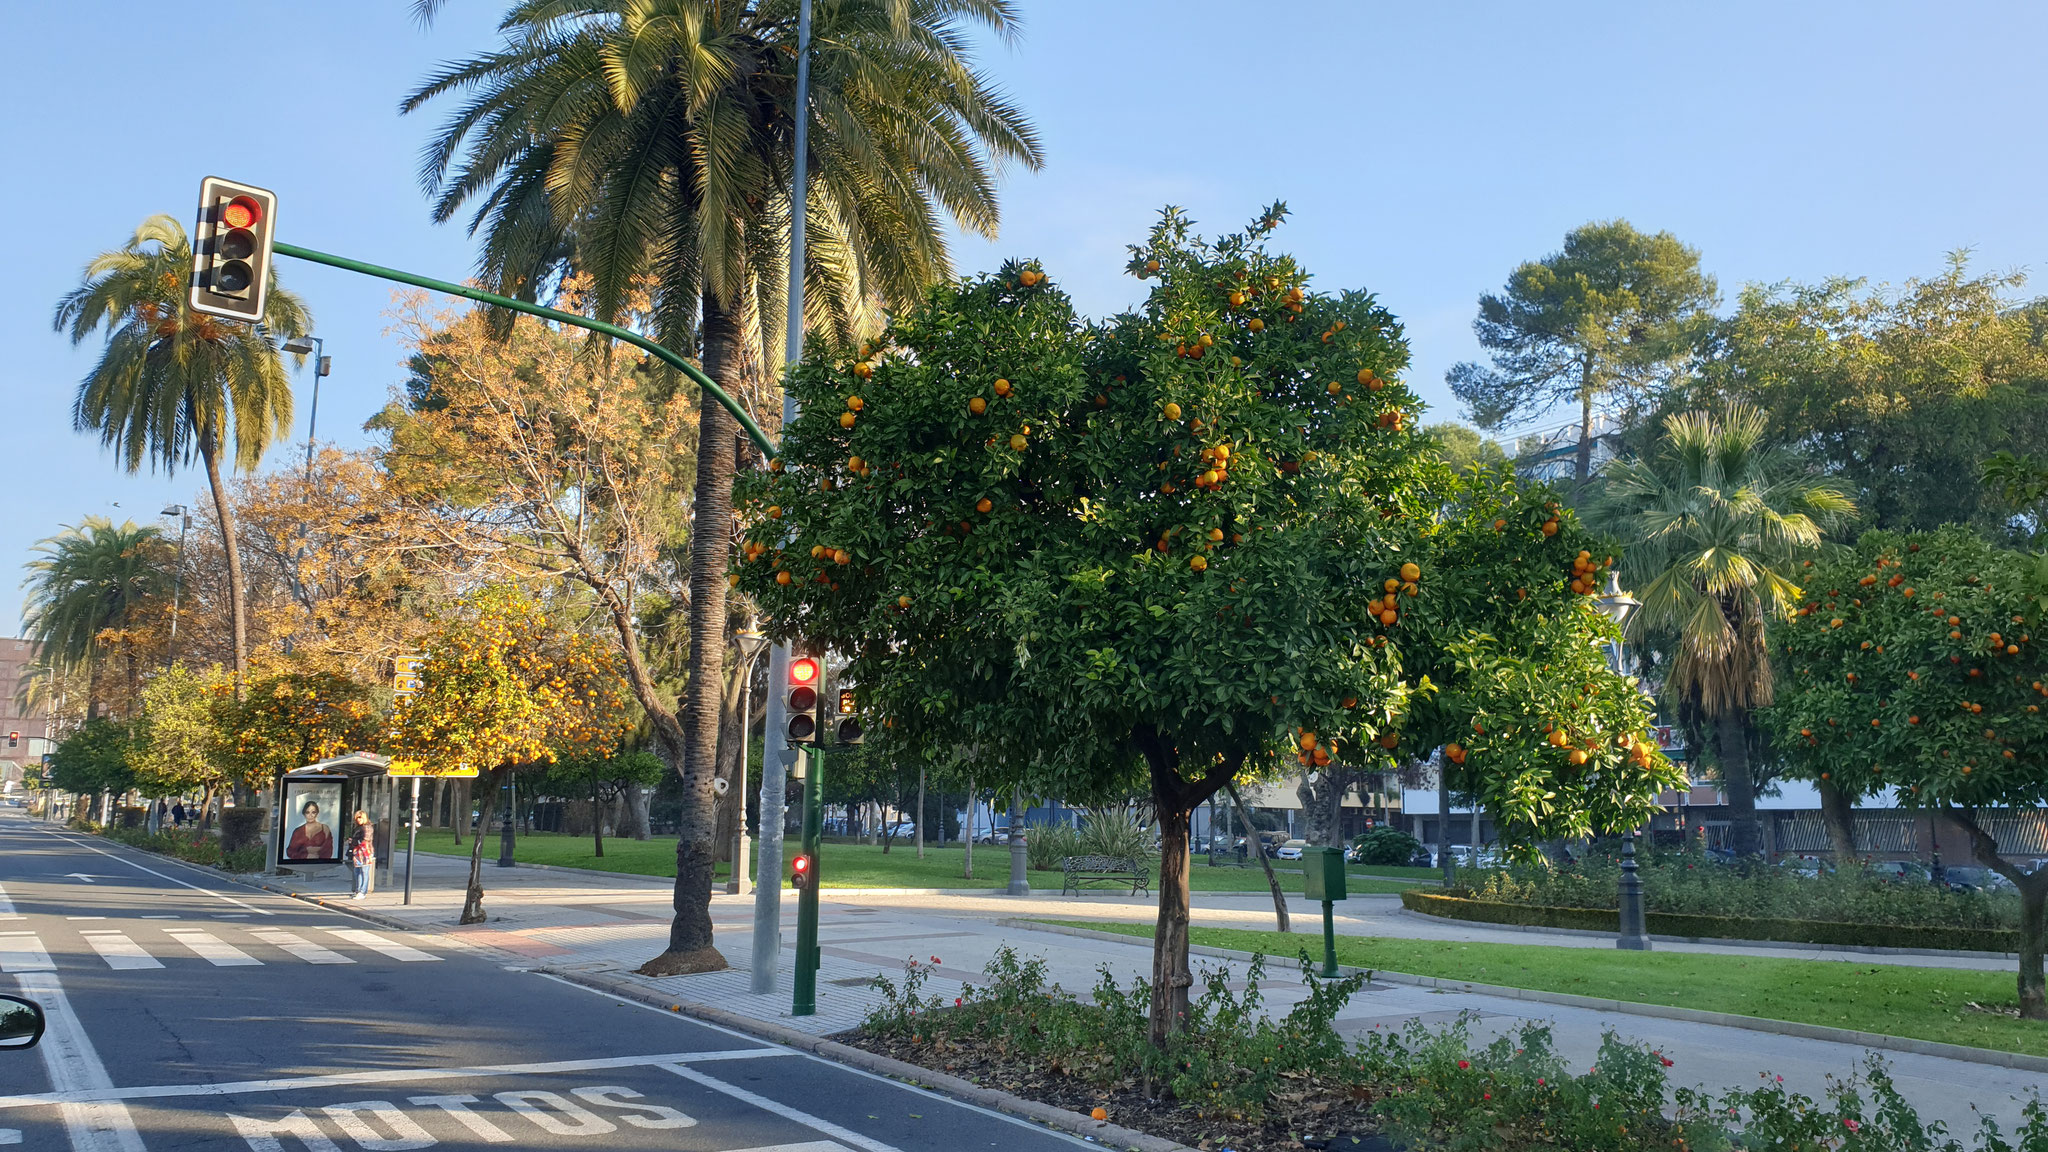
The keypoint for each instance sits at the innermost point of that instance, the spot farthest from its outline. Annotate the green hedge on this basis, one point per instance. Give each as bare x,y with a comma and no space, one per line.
1716,927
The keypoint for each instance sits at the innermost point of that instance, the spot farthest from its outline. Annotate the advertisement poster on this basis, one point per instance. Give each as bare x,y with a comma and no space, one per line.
312,820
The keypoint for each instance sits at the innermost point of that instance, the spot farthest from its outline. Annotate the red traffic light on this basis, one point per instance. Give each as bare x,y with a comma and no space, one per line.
803,670
800,871
242,212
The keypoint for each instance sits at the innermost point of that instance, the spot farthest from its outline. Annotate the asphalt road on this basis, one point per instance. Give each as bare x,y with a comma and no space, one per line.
190,1013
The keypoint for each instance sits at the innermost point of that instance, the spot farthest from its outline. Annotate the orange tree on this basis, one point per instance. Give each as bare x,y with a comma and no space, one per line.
1180,548
501,687
1911,670
289,720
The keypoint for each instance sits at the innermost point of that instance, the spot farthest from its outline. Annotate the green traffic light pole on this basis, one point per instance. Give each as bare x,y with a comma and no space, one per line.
616,332
804,1002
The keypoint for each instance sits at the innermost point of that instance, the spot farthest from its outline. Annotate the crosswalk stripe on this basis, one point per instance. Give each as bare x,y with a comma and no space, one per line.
120,952
391,948
23,952
212,949
301,947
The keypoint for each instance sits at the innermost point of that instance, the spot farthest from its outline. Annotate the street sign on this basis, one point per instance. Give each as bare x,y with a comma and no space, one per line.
420,768
405,676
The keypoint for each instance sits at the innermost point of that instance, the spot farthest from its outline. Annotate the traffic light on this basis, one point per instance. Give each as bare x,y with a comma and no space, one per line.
800,700
849,718
231,249
14,739
800,872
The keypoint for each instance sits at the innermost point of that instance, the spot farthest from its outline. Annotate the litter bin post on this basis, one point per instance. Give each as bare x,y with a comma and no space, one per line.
1323,879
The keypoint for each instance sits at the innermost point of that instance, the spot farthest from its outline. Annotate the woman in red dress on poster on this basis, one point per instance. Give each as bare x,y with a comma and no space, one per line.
311,840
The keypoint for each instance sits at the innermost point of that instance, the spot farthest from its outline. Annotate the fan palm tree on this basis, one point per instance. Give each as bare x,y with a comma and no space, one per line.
1717,524
650,144
83,592
172,386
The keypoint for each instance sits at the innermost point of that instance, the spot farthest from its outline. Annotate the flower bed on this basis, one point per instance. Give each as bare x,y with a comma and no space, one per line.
192,847
1239,1079
1777,929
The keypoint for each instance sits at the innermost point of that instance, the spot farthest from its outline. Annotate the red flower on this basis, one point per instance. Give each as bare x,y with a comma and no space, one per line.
935,959
1852,1125
1464,1064
1666,1059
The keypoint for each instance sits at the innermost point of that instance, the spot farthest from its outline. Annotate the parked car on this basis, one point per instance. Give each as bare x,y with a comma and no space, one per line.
1291,850
1976,880
1811,867
1898,872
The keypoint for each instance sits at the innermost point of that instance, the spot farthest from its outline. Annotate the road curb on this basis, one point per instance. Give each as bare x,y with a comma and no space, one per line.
1099,1131
1857,949
1877,1040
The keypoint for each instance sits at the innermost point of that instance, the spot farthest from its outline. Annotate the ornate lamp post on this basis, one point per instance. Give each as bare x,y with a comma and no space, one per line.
1617,606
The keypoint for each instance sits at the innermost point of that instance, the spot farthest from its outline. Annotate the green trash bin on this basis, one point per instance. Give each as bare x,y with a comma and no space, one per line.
1323,879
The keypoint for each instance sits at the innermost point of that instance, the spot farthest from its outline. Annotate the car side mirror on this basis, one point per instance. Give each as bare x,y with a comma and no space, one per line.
21,1022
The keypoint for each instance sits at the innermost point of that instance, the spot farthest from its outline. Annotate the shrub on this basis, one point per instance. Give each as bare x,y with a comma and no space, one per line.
1386,846
1434,1090
1047,846
242,827
1114,832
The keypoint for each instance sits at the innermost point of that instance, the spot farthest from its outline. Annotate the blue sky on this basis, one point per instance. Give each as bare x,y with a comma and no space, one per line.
1424,149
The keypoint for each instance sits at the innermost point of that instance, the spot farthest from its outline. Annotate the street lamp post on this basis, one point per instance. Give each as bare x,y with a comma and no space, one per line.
321,366
184,516
1618,606
750,643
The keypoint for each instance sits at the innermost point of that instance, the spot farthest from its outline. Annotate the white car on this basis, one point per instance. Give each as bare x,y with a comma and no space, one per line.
1290,850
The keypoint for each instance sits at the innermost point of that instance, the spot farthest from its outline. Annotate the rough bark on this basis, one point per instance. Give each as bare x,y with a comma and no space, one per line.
1583,466
473,900
690,947
1174,799
1257,848
633,820
1731,734
1838,815
967,872
2033,888
224,513
459,816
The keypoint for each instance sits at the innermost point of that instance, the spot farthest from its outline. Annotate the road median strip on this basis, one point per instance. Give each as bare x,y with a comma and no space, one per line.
2024,1061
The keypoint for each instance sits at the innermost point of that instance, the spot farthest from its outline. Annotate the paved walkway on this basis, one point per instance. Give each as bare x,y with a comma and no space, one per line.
577,922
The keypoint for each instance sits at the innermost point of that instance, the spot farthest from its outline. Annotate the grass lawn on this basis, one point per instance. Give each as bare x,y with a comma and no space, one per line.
1922,1003
859,865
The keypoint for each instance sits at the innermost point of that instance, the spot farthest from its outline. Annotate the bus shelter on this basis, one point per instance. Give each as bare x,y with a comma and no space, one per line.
316,807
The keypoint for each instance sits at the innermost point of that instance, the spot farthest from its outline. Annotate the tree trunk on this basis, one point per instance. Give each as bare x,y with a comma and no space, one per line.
1732,738
1839,817
1443,825
238,609
1583,466
1258,849
920,814
597,819
637,821
473,900
458,816
690,947
967,872
1170,975
2033,888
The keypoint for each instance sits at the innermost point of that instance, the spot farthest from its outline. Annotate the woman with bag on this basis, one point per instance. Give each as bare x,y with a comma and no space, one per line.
361,855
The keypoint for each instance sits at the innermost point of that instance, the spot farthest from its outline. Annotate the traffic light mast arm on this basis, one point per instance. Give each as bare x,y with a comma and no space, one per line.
674,359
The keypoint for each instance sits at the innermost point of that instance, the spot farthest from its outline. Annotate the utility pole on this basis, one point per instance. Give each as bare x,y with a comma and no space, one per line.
184,516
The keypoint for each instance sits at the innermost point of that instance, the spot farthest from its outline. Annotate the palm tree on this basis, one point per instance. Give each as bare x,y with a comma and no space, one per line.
83,593
173,386
651,143
1716,524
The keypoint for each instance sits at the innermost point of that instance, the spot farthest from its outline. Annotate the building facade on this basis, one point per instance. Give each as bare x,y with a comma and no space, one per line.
23,738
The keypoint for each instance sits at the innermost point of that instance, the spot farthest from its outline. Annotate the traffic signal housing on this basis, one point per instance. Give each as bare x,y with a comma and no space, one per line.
800,872
800,700
231,249
848,731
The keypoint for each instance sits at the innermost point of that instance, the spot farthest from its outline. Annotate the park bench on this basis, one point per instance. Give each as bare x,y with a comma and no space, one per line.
1094,869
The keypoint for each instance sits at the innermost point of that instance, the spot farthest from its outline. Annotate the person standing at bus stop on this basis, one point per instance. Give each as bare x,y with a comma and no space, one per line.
362,854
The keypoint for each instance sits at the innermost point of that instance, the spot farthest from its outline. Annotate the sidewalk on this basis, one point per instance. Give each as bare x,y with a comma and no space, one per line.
599,927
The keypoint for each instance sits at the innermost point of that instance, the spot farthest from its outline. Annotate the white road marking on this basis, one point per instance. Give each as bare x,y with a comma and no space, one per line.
159,916
85,917
6,905
212,949
75,1069
383,1076
262,1135
406,1132
23,952
391,948
456,1106
816,1124
301,947
10,1135
120,952
173,879
808,1146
